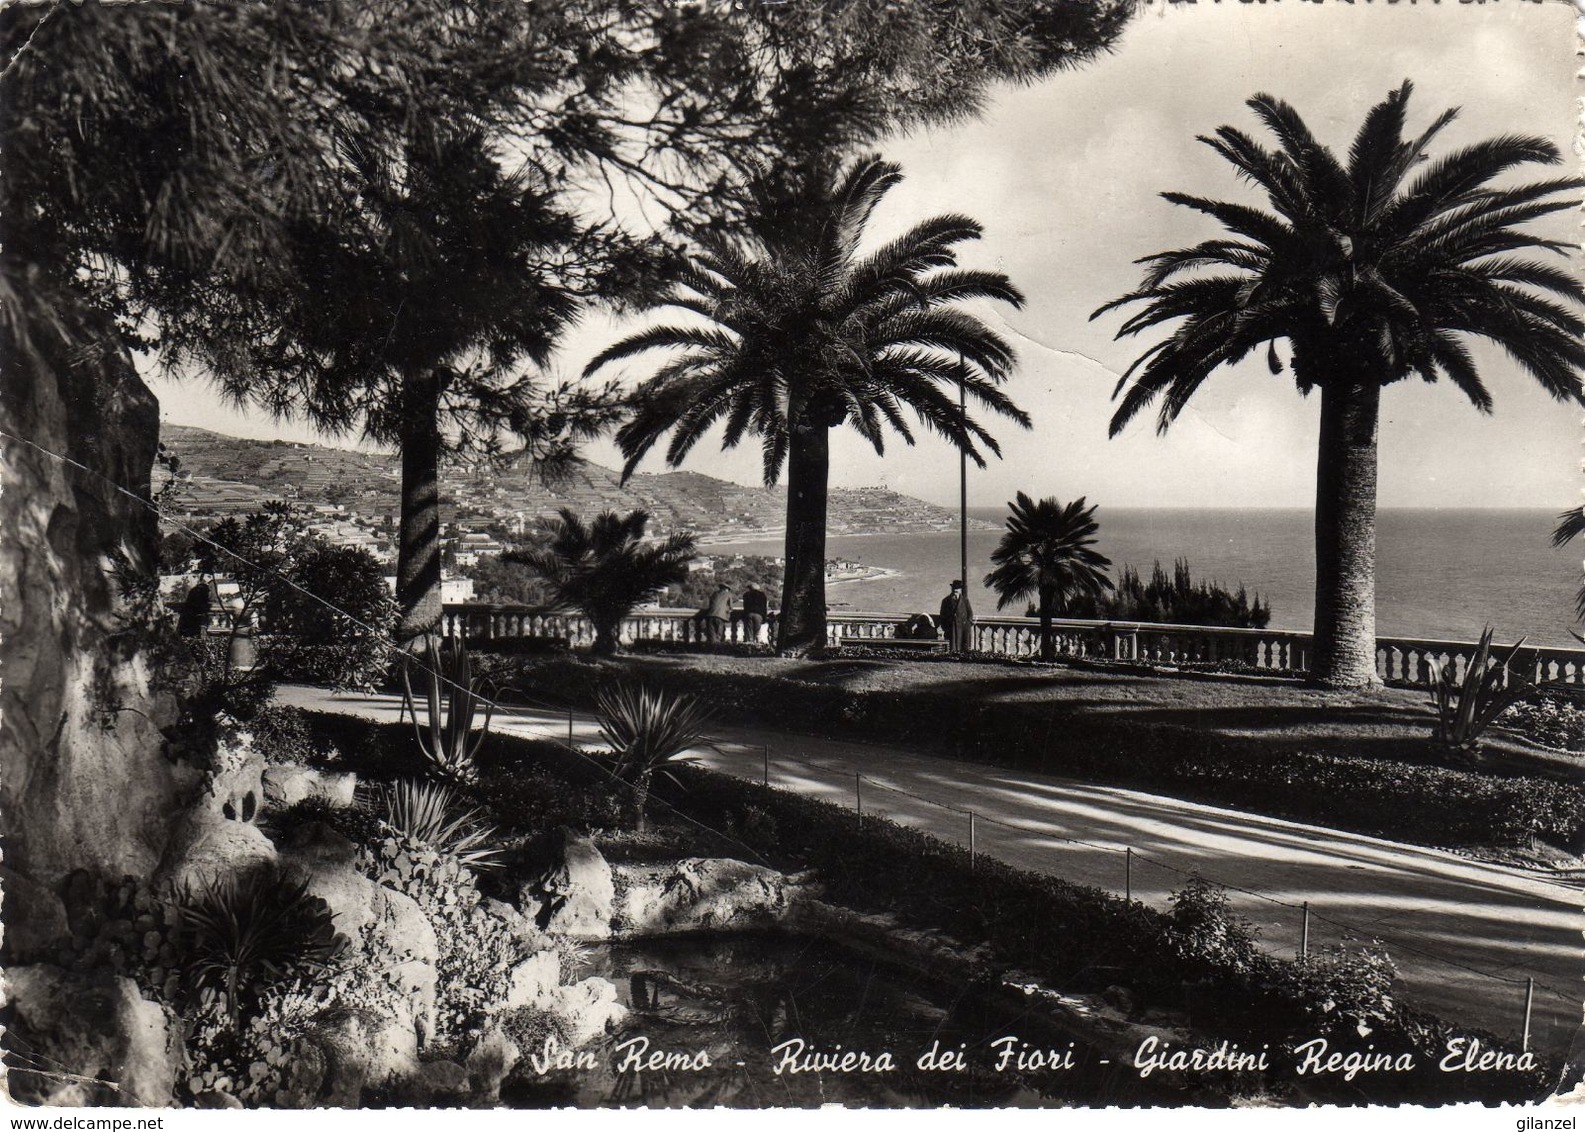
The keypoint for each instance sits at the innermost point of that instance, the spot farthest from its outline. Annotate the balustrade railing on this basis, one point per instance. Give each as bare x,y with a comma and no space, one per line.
1400,661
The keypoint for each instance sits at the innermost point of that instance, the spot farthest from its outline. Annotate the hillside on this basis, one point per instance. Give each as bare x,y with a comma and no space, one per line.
229,474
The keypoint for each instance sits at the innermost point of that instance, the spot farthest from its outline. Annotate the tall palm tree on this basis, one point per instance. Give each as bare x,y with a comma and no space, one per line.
1570,525
798,331
1374,270
603,569
1045,553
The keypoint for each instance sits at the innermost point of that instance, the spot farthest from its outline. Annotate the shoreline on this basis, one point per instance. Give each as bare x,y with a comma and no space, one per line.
772,534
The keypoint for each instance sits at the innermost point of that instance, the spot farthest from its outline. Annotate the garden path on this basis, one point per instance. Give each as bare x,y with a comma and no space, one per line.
1465,934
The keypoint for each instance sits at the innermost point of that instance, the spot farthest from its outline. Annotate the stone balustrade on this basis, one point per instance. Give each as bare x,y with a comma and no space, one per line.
478,622
1401,661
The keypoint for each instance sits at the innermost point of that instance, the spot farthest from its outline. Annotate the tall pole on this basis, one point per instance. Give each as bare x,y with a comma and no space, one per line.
963,477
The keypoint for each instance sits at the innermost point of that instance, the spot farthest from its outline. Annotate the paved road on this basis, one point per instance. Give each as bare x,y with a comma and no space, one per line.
1465,935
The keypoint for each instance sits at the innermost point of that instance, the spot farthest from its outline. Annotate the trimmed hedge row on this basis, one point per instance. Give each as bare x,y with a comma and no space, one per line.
1197,958
1394,797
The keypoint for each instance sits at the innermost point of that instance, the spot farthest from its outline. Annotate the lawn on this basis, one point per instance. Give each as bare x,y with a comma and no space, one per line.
1361,761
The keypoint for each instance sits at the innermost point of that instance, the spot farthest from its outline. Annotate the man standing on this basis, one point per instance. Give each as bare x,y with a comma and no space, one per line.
957,619
756,607
718,612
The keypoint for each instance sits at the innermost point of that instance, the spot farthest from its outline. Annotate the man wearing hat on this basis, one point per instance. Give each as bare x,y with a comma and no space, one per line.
957,619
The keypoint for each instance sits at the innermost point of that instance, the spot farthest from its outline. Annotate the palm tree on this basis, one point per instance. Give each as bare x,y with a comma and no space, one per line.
799,332
1046,553
650,731
1372,276
1570,525
604,569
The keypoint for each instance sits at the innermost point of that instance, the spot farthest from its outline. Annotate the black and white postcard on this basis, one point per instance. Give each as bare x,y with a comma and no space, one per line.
655,555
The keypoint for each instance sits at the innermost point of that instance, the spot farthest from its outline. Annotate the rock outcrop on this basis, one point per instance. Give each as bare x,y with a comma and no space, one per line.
87,783
88,1040
702,894
389,926
577,894
572,894
285,786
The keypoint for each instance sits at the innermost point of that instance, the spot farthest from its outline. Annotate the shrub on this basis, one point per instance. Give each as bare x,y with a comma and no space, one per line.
244,935
266,1062
1202,928
1171,600
283,736
1466,708
650,731
432,815
121,926
1548,720
476,949
452,698
1339,989
533,799
358,823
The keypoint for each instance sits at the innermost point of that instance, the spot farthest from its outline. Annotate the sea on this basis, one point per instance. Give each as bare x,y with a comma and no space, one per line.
1440,573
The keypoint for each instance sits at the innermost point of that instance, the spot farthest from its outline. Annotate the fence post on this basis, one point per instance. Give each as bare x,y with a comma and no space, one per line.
1529,1002
569,727
765,752
972,863
858,796
1304,933
1128,873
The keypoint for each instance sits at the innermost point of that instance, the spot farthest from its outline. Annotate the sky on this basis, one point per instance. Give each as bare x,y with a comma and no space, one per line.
1065,177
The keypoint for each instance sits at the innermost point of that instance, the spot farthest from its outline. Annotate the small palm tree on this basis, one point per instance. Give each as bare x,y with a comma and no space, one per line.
650,731
1046,553
798,333
1373,270
604,569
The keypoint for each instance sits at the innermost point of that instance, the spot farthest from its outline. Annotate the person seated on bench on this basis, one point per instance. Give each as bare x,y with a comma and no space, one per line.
919,627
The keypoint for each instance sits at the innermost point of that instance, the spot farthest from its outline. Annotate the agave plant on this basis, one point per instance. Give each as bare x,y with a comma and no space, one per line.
433,814
244,935
1466,708
650,730
448,742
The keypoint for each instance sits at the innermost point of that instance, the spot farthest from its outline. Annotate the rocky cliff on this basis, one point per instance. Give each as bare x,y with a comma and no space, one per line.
87,783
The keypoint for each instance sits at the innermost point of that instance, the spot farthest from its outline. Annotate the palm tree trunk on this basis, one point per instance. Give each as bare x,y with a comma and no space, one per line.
640,803
1345,537
803,606
1048,643
418,538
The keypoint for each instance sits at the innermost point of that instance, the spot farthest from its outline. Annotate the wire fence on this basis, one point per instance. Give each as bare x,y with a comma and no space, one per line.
865,787
1130,857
